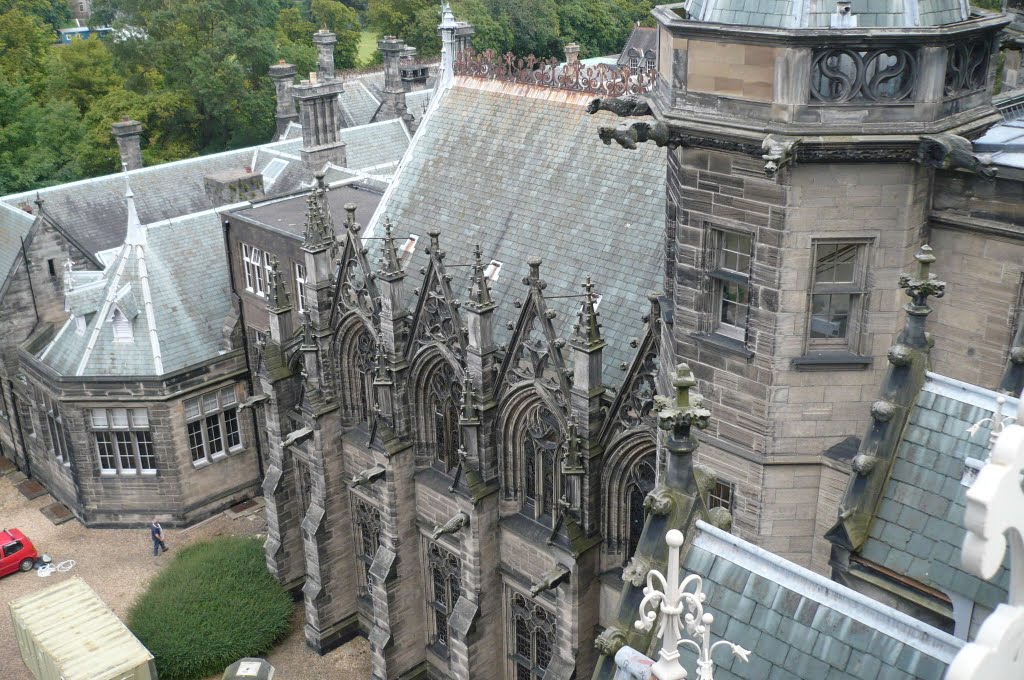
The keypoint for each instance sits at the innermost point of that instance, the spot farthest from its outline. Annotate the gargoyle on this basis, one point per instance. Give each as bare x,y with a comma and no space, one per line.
952,152
553,577
628,136
367,476
295,437
778,152
630,106
253,401
459,520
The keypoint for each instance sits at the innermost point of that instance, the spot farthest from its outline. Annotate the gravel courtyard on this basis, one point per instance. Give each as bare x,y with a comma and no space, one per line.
119,563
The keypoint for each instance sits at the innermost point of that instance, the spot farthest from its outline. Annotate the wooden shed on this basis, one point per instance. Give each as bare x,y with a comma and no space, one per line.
66,632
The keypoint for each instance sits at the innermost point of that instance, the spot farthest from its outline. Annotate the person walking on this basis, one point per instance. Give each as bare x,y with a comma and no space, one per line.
157,532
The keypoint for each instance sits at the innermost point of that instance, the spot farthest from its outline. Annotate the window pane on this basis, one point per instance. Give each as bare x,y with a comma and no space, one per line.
213,434
99,418
147,461
734,307
140,417
234,437
195,441
830,315
227,396
835,262
105,449
119,417
192,408
125,452
210,403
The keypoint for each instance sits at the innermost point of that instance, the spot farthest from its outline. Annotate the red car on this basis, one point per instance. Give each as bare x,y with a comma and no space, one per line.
16,552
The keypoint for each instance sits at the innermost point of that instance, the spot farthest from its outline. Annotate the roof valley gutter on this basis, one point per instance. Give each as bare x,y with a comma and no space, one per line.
102,317
147,298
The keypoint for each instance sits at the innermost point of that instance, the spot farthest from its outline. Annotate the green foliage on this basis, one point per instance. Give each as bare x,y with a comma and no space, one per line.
24,45
215,604
367,48
84,71
52,13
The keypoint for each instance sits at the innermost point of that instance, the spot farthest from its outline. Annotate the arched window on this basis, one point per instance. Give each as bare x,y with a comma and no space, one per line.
362,399
368,538
541,481
641,482
357,352
532,638
445,589
444,392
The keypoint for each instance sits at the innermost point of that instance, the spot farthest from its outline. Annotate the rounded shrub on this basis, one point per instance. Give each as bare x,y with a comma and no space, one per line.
214,604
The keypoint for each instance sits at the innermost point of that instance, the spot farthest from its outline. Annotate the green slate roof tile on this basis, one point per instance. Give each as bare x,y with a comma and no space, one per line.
919,529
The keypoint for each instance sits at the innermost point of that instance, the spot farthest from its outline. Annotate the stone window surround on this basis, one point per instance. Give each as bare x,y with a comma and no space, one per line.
512,663
202,415
445,557
257,279
108,433
55,429
839,356
364,556
711,331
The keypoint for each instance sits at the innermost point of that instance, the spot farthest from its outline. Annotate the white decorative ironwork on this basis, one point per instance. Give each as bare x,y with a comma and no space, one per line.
997,422
995,522
672,600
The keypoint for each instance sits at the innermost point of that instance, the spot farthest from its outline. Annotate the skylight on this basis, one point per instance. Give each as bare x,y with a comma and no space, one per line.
273,170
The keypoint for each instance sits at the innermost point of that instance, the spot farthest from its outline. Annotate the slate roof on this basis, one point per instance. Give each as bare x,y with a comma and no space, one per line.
191,298
357,103
1005,142
643,42
918,529
800,625
375,144
815,14
14,226
521,170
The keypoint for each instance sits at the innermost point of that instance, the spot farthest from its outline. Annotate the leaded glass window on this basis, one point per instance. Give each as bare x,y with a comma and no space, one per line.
641,482
541,476
445,393
368,538
533,632
445,588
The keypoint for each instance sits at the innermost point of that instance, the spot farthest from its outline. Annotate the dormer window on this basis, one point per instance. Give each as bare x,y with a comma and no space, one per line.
122,327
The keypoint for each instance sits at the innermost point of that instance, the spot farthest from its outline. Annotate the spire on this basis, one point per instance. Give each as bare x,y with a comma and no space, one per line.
319,232
278,300
390,263
479,290
587,332
920,288
136,233
447,29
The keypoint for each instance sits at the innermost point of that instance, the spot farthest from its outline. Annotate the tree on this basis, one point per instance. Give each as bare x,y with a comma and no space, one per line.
34,138
54,14
24,46
83,71
533,25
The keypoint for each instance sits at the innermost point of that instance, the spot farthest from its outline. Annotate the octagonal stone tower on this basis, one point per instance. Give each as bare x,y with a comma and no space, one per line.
801,146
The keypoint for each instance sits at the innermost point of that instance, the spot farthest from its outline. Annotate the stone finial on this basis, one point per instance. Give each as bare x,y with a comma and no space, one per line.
390,262
479,290
319,233
469,411
924,285
381,363
587,331
278,300
684,412
307,332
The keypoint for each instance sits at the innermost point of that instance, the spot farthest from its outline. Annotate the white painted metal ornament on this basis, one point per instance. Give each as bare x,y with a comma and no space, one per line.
995,523
671,601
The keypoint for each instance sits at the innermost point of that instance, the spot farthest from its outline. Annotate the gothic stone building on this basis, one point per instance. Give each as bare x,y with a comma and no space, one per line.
457,462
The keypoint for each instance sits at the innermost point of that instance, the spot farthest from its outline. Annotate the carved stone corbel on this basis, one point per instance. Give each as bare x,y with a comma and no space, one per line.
610,641
636,571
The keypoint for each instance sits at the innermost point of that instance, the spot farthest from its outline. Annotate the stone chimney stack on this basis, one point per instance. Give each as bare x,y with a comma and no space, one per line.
325,42
128,134
572,54
283,76
321,120
393,105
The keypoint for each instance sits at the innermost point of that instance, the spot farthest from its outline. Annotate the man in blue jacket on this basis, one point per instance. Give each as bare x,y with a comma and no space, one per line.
157,532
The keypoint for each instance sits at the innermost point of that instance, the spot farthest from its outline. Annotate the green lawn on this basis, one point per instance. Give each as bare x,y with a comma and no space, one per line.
367,47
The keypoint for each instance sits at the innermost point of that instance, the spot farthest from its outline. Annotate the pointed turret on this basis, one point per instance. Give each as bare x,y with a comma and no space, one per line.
587,332
390,262
319,232
479,290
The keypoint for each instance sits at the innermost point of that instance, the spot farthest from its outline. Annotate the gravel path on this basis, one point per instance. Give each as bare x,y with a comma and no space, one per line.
118,563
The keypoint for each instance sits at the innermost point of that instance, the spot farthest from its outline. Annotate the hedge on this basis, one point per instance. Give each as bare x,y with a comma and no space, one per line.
214,604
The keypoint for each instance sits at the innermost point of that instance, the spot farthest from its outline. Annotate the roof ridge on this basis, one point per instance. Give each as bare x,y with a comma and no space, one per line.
887,620
966,392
